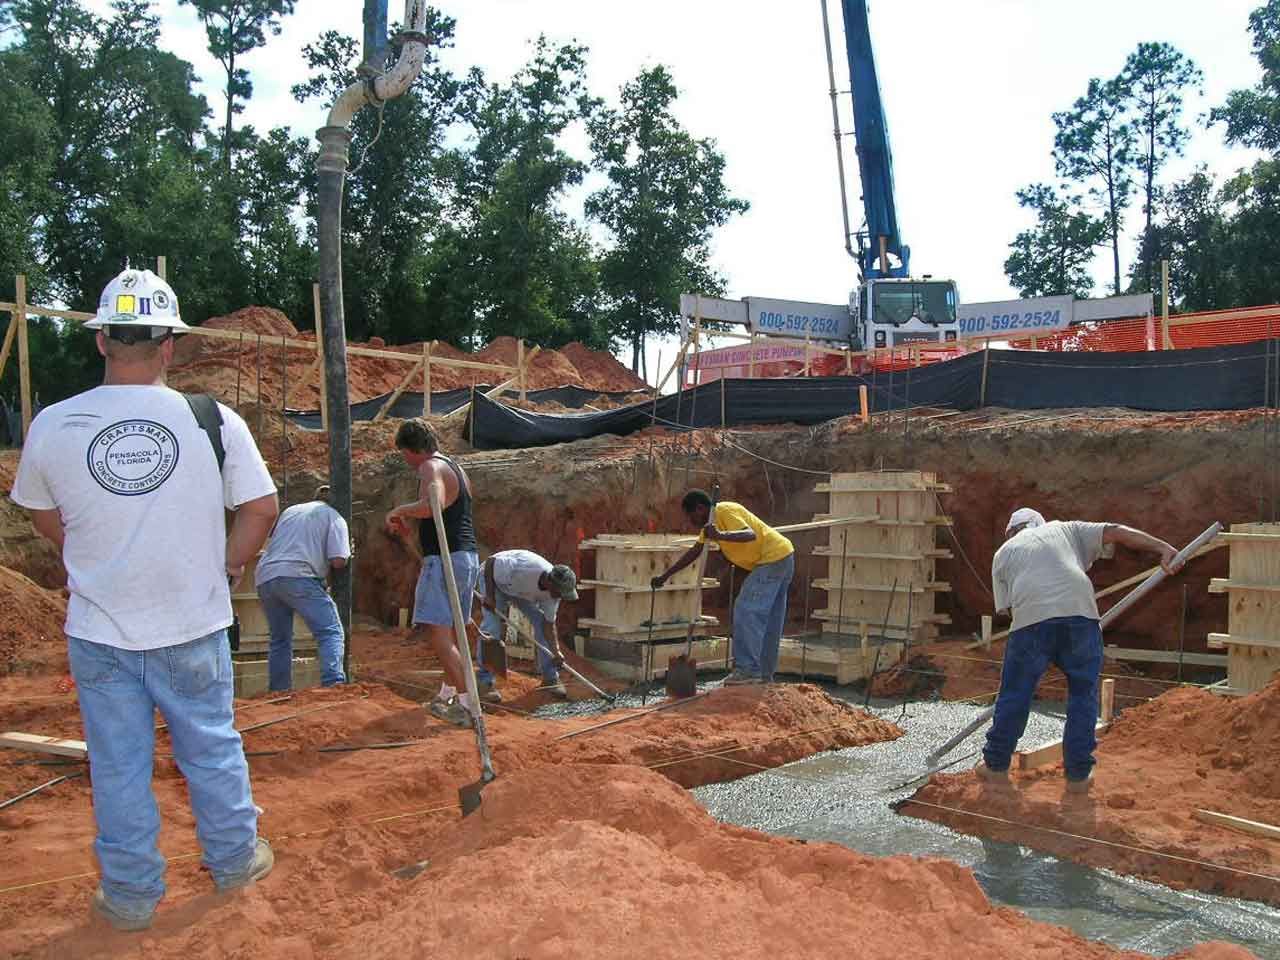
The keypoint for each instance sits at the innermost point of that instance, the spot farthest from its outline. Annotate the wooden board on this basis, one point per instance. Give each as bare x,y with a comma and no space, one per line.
1251,610
1238,823
40,744
253,619
1165,656
1049,753
250,676
1219,640
845,664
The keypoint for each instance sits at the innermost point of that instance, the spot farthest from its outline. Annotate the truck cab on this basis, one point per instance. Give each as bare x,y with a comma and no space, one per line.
893,311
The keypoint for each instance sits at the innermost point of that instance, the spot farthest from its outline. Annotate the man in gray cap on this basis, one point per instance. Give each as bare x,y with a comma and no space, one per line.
535,586
1039,574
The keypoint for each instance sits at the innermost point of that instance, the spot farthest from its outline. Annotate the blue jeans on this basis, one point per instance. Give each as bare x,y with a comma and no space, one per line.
759,615
119,692
1075,645
280,597
494,627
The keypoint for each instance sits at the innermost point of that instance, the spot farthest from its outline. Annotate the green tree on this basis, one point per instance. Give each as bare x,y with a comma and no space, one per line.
520,266
235,28
1094,145
1254,233
1252,116
1053,257
395,192
666,194
1156,75
271,179
1195,238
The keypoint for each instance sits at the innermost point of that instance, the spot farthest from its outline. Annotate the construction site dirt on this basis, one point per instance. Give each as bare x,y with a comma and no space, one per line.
568,819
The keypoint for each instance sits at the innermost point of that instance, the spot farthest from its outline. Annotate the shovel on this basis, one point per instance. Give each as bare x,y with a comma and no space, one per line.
534,640
468,794
1138,592
682,671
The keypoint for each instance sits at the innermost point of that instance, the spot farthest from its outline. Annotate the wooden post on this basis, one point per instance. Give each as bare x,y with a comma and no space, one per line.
426,377
324,388
1108,700
395,394
848,363
1035,343
404,617
1166,342
473,415
986,632
9,336
862,403
722,418
162,267
986,359
751,356
520,368
806,353
24,353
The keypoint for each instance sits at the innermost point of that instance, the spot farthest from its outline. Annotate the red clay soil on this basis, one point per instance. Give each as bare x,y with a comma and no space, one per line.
601,371
578,850
31,620
1158,763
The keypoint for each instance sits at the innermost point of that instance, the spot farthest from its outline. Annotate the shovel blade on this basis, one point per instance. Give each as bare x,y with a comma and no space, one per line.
469,795
682,676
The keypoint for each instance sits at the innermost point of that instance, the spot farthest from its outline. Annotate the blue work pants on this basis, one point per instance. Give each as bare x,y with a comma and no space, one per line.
281,597
759,615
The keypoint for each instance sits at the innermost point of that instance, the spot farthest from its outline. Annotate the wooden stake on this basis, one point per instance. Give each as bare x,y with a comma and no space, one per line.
324,386
395,394
722,418
1166,342
1108,700
9,336
24,354
520,368
986,359
473,417
806,353
862,403
404,617
751,356
986,632
162,267
1238,823
426,377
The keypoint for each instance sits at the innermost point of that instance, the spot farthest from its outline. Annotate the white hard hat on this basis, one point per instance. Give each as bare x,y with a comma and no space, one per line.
138,298
1024,517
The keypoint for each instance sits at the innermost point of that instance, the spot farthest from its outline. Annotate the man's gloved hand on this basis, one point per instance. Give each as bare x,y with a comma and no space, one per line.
557,657
657,582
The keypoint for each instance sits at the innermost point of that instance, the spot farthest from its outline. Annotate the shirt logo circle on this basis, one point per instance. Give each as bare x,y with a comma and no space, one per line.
133,457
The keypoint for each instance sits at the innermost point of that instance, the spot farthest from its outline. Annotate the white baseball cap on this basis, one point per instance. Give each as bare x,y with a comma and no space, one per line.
1024,517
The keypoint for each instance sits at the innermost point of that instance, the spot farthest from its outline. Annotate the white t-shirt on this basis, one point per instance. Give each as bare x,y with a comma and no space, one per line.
136,482
1040,573
307,536
516,573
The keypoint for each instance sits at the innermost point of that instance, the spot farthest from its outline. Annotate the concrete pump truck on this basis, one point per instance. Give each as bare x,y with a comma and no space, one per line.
890,307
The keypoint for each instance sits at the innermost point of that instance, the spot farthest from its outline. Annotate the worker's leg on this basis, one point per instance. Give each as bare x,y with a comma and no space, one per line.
1025,658
492,626
751,619
318,611
191,684
433,616
546,666
273,596
119,729
1078,653
781,575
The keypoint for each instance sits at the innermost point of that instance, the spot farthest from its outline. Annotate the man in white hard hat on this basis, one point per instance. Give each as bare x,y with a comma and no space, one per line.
1039,573
130,480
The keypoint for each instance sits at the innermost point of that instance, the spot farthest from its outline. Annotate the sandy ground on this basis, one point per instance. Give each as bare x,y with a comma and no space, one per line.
1158,763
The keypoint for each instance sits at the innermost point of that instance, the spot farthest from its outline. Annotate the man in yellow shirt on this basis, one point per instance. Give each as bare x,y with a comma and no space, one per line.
769,559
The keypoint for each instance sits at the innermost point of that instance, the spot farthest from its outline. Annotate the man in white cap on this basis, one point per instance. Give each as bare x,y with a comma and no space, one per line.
1039,574
535,586
130,481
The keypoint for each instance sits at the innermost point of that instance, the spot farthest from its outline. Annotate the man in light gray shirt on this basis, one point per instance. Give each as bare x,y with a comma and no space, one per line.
535,586
1039,574
309,539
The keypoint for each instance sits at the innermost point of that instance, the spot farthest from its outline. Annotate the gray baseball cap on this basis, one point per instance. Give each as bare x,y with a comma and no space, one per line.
564,580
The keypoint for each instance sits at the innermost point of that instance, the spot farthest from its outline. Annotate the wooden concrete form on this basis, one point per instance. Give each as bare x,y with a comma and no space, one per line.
711,654
880,571
1049,753
625,563
844,663
1253,607
1238,823
1165,656
37,743
250,674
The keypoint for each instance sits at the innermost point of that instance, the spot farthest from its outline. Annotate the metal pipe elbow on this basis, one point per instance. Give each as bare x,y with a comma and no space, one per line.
395,81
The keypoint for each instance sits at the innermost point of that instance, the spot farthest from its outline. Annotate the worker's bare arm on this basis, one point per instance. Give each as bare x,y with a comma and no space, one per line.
1138,540
253,522
48,524
490,586
731,536
690,555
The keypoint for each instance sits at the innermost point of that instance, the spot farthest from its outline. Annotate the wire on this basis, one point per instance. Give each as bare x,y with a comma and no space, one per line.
364,153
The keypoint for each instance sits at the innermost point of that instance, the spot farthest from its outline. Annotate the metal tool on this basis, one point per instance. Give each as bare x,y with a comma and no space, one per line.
468,794
648,646
534,640
682,671
1138,592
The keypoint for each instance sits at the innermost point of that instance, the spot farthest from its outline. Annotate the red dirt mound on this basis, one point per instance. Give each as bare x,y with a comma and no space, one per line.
599,370
264,320
31,620
548,369
1159,762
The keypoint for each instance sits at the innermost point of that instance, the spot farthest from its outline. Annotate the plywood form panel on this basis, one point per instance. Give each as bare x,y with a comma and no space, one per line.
1253,613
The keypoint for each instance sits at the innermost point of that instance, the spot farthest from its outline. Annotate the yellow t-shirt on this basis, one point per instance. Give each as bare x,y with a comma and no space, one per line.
769,546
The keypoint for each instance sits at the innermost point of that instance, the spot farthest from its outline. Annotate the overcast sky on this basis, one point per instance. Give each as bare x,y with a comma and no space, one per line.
969,88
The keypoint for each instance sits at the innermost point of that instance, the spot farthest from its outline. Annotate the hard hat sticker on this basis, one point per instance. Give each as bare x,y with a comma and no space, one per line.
133,457
126,303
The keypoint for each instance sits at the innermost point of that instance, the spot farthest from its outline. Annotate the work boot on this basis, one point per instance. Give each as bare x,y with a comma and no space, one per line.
118,920
259,867
451,712
556,689
740,678
488,692
1080,786
991,776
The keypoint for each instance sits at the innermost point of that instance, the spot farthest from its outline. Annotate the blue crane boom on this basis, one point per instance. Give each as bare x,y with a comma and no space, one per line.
875,162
